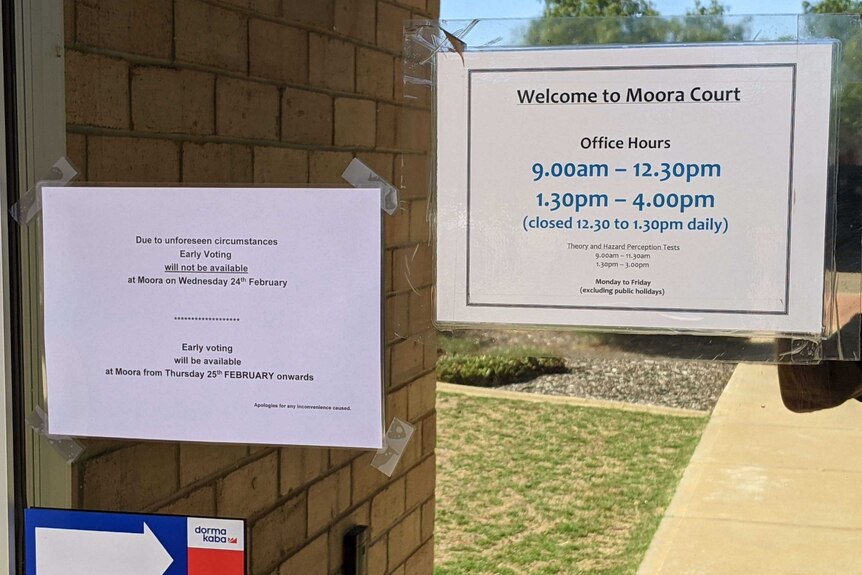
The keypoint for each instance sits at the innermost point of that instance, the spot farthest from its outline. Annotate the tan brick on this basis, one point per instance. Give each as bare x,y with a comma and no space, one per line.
200,502
238,3
421,482
428,516
377,557
420,227
413,130
422,266
398,86
396,317
422,562
387,507
412,267
412,452
396,405
397,571
407,361
331,63
246,109
374,75
396,227
76,152
366,479
381,163
327,499
306,117
172,101
97,446
198,460
138,27
299,465
318,13
130,479
387,126
327,167
311,560
69,21
250,489
421,310
433,8
269,7
211,36
401,269
421,396
278,533
355,122
339,457
360,516
405,538
390,26
355,18
387,277
429,434
142,160
97,90
216,163
417,4
430,359
280,166
417,92
278,52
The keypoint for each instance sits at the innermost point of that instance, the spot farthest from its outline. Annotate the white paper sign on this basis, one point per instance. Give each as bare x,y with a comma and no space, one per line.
652,187
214,315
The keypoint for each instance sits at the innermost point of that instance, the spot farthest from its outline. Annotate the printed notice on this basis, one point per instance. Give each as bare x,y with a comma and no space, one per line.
214,315
678,187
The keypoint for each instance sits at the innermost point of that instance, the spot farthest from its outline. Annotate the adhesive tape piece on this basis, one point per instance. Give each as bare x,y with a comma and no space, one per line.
360,175
67,447
29,205
394,444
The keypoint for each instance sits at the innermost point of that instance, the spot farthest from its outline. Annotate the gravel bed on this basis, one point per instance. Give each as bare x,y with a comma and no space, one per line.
636,379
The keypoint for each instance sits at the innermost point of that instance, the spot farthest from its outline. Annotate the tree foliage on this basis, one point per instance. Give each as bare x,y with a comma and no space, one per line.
832,7
577,22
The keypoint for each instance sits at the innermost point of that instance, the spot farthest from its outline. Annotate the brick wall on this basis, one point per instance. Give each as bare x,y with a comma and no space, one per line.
269,92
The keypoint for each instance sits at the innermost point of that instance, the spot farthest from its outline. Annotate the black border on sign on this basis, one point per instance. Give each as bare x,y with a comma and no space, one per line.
792,66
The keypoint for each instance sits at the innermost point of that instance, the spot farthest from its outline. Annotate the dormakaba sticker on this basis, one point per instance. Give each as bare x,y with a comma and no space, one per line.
394,444
214,541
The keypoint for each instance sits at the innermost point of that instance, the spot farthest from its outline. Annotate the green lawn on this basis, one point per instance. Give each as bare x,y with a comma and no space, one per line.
543,488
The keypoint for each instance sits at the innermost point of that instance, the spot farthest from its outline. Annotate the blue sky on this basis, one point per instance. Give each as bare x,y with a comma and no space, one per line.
468,9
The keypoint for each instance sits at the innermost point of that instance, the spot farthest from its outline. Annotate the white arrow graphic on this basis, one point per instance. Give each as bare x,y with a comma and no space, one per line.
73,552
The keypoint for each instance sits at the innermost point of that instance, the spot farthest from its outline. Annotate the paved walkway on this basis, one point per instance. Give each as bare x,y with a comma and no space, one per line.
767,491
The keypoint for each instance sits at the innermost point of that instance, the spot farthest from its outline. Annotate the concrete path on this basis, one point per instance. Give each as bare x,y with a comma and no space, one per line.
767,491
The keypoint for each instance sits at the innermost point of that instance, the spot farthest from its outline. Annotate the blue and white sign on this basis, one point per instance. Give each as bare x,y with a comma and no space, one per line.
64,542
668,187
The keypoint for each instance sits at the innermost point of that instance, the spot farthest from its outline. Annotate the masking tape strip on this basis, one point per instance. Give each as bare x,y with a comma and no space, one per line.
29,205
359,175
394,444
68,448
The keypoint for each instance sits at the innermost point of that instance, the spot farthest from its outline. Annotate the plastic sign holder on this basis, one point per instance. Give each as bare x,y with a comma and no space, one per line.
687,179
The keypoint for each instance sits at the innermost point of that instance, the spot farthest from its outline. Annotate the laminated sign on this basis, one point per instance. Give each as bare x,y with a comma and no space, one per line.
217,315
655,187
